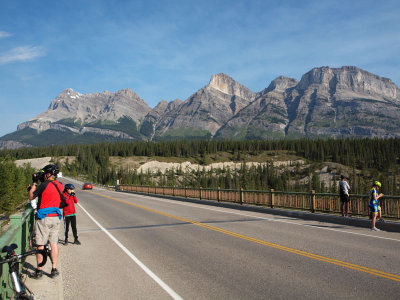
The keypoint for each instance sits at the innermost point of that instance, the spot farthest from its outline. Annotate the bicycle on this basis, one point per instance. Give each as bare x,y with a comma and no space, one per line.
21,291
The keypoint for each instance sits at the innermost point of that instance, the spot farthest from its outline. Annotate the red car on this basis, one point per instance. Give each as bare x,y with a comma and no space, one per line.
87,186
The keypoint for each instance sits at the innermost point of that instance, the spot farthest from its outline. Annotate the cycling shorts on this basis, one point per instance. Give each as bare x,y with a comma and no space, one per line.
374,208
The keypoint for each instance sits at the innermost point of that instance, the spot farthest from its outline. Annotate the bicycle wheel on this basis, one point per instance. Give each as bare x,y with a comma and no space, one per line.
24,296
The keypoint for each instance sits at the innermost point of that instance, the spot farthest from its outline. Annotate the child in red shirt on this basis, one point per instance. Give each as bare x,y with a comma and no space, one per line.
69,213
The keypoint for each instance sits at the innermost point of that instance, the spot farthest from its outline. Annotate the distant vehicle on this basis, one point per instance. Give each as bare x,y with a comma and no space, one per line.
87,186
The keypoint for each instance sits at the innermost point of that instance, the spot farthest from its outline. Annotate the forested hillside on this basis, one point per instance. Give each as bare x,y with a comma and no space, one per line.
14,182
363,160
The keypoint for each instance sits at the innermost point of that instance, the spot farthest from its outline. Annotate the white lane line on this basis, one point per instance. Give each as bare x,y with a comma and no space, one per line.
269,219
161,283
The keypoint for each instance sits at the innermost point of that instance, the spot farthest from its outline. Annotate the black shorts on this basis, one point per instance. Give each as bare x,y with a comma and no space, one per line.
344,198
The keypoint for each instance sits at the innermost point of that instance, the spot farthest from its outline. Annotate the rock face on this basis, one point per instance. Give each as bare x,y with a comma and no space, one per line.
82,119
203,113
266,117
345,101
90,108
158,118
326,102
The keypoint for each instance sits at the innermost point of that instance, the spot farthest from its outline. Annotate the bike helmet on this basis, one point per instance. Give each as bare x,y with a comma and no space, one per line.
377,183
69,186
52,169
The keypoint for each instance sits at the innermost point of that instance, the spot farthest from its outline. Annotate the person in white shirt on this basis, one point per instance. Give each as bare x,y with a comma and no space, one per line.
344,188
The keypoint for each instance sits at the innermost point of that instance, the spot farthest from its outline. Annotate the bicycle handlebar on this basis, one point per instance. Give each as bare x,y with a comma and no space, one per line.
17,257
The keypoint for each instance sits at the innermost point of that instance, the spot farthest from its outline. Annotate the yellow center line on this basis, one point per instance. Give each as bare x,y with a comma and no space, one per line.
265,243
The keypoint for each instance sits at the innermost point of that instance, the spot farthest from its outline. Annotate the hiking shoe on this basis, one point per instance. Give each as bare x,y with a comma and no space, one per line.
381,221
77,242
54,273
375,229
37,274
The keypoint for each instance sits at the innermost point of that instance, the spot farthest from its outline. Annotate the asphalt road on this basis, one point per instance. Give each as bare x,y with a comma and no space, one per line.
141,247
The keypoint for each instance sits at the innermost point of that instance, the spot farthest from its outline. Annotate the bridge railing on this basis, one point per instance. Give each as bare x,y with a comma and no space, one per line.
308,201
18,232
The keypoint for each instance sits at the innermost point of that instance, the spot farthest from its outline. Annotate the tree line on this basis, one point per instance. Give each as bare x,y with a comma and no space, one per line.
369,159
261,177
14,181
380,154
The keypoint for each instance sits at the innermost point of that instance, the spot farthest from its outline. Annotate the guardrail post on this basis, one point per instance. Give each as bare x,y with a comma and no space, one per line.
200,192
16,221
272,198
241,196
312,200
218,194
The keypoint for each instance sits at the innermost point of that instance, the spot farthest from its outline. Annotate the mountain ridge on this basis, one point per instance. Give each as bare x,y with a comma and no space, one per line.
326,102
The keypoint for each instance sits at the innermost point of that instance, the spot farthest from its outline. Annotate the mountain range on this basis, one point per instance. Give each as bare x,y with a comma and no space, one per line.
326,102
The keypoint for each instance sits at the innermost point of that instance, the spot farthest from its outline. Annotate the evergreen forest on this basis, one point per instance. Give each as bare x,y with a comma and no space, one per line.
362,160
14,181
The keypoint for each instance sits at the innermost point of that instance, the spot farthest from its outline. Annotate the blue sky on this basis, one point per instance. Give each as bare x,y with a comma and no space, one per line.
170,49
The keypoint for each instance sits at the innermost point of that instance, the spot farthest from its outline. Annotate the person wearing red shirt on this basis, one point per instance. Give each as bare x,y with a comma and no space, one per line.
70,213
48,215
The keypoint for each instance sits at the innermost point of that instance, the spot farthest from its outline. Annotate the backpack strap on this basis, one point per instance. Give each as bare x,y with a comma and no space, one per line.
61,196
63,202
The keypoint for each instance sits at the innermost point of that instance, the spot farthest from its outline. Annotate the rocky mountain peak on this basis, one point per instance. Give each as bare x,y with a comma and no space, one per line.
68,93
228,85
163,103
160,107
127,93
320,75
280,84
89,108
349,78
163,106
221,80
174,104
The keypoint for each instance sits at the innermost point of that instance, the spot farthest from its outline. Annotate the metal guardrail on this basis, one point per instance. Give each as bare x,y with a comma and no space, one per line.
311,201
18,232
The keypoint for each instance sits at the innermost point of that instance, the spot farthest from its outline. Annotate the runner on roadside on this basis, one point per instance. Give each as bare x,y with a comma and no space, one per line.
374,204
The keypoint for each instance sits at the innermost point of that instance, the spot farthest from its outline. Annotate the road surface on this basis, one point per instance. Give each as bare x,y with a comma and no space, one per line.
143,247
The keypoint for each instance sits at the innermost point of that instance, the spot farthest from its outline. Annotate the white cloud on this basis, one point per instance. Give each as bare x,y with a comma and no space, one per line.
23,53
4,34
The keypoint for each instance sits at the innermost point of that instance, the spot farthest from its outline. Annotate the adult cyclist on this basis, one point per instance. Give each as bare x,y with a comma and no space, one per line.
374,204
48,214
